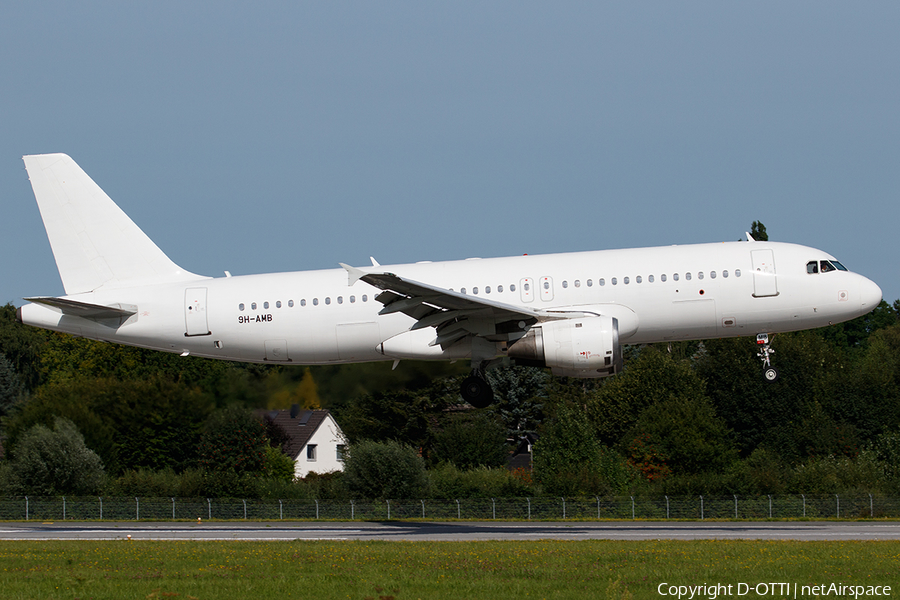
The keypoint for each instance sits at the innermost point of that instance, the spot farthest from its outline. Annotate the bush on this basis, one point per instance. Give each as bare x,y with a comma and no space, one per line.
56,462
384,470
448,481
567,456
470,441
159,484
278,464
841,474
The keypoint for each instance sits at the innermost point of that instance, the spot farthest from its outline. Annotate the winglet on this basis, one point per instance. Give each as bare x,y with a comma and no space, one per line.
353,274
749,237
374,262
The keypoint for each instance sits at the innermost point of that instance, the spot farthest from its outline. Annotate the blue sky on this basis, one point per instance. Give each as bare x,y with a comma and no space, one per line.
259,137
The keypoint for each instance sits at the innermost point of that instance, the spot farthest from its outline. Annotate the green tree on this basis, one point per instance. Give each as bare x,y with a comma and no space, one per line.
130,424
567,455
651,377
687,435
234,441
471,440
10,388
56,461
22,346
384,470
519,397
278,464
758,232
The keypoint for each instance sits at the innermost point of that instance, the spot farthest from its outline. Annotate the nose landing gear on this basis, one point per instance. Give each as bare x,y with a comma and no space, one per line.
765,353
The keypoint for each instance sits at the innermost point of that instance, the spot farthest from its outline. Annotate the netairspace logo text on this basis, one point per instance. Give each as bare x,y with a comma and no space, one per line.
772,590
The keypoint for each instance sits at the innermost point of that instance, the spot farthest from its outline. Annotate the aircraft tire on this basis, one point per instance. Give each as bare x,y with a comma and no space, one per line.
771,374
477,392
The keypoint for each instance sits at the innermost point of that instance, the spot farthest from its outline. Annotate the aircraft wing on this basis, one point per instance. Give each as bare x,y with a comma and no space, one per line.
453,315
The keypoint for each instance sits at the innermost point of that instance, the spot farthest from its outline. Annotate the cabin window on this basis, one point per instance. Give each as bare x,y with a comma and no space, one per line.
311,452
737,272
290,304
365,298
712,274
650,278
627,280
674,276
614,281
475,290
303,302
352,299
253,306
462,290
278,304
546,285
315,301
638,279
327,299
577,283
512,287
725,273
565,284
266,305
687,276
340,299
601,282
241,306
487,289
590,283
500,289
527,286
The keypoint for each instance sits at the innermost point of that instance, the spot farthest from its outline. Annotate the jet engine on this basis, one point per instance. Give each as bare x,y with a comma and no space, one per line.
585,347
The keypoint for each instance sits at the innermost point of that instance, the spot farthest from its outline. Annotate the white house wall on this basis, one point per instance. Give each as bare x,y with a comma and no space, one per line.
326,438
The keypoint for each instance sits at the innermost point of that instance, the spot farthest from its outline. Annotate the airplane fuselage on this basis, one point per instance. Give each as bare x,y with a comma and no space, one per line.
317,317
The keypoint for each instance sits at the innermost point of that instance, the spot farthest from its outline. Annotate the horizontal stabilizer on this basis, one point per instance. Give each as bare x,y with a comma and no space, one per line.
92,312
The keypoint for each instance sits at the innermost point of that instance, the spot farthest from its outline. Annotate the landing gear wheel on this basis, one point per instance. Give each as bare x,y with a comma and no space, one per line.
771,374
477,392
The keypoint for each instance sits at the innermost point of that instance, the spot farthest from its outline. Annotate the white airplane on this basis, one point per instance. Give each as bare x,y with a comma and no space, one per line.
569,312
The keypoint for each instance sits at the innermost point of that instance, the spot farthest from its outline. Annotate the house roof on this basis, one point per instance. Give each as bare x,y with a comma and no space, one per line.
300,425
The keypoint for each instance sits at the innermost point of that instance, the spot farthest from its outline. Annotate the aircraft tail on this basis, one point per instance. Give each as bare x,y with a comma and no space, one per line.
94,243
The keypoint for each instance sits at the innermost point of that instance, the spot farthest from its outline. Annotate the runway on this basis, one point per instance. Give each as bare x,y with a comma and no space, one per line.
456,531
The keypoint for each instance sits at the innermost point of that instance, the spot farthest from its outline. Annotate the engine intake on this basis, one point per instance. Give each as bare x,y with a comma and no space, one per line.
587,347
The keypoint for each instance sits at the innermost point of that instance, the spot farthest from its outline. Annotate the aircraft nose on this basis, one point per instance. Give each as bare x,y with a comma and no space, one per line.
869,295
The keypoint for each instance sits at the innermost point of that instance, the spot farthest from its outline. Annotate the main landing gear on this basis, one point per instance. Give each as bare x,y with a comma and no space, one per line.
477,391
765,352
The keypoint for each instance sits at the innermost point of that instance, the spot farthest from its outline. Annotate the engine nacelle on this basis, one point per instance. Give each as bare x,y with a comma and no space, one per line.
587,347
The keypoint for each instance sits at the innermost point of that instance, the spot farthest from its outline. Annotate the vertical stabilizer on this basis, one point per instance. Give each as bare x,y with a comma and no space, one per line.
94,243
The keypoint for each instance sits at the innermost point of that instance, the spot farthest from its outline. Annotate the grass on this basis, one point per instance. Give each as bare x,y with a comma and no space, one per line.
410,570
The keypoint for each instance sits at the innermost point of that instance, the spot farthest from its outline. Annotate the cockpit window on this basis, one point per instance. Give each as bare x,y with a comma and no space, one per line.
812,267
839,266
826,266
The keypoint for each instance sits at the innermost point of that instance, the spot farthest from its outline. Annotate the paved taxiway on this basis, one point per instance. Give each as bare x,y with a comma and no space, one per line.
457,531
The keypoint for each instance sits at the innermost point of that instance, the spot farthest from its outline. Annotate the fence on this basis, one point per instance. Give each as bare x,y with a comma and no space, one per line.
675,507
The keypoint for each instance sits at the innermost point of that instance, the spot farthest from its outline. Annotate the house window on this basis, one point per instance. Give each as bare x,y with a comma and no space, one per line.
311,452
340,452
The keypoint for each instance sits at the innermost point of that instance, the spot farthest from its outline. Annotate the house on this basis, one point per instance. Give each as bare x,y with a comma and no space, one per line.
315,440
521,457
